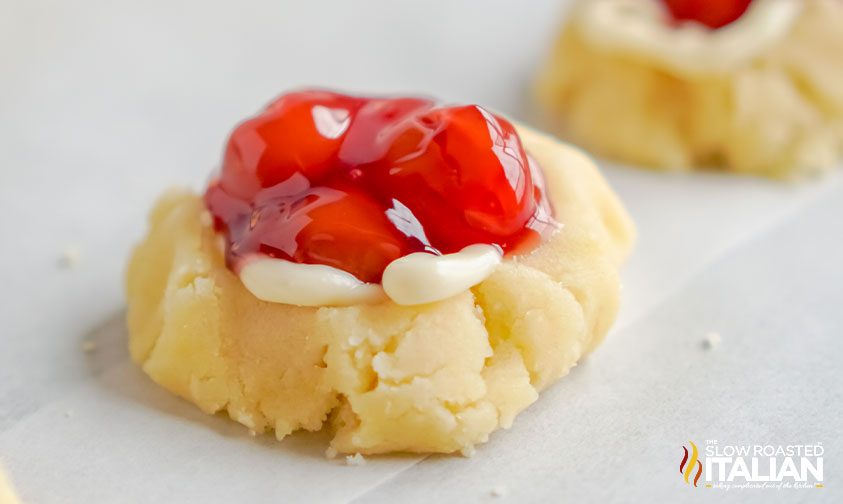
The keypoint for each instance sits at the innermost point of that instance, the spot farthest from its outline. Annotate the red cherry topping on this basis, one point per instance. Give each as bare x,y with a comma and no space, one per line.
355,183
712,13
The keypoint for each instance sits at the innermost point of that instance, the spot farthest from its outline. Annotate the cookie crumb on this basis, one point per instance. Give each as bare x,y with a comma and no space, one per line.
468,451
711,341
69,257
355,460
498,491
244,418
89,346
331,453
252,433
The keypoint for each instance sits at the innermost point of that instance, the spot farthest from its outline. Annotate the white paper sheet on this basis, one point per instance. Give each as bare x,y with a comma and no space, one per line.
105,104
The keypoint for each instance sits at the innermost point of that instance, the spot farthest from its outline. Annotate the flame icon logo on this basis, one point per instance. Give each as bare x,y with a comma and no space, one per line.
687,466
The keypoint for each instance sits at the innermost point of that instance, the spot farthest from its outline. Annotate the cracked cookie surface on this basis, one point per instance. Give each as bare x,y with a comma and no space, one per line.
438,377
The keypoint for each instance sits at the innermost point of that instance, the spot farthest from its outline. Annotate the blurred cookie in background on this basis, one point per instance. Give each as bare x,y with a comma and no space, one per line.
750,86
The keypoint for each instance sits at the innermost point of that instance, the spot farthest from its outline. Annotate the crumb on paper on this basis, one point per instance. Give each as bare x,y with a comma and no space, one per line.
468,451
331,453
498,491
69,257
89,346
252,433
711,340
355,460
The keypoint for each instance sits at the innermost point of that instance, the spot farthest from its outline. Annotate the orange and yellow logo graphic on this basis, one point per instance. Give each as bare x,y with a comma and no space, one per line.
688,464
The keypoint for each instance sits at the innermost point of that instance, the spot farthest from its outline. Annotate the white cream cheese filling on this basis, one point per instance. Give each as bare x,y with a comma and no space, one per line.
414,279
423,278
641,27
282,281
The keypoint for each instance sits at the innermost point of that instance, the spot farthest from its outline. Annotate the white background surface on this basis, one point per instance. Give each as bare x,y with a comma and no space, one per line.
103,104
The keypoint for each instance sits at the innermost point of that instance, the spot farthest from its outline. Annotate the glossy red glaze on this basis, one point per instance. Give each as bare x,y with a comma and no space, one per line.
712,13
355,183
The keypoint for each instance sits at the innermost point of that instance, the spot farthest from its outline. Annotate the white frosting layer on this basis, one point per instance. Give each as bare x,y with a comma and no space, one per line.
642,27
410,280
423,278
281,281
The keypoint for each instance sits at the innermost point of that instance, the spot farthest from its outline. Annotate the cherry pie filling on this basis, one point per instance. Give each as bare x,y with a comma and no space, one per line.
354,183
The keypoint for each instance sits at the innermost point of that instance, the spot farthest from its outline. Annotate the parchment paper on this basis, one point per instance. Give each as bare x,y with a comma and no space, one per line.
104,104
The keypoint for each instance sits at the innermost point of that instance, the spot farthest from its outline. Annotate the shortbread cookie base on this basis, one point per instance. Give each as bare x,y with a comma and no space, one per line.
433,378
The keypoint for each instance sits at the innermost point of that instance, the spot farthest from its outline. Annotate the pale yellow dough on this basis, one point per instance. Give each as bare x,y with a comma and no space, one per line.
7,492
778,113
432,378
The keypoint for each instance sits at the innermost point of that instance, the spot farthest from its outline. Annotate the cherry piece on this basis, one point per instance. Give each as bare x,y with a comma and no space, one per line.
712,13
